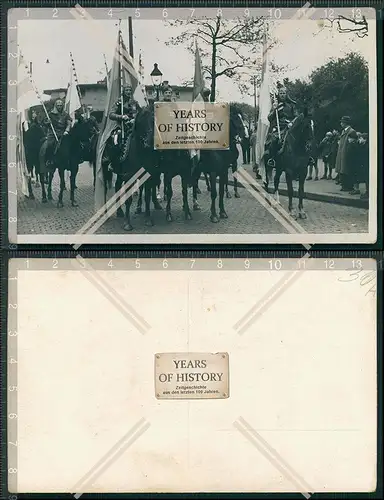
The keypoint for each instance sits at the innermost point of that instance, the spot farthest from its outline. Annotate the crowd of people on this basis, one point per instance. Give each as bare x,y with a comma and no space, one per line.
347,154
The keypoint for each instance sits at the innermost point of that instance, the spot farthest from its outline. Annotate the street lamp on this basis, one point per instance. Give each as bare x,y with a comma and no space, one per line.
157,77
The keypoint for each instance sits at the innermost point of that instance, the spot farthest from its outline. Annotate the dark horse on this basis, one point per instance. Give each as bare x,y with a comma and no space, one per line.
297,151
68,153
216,163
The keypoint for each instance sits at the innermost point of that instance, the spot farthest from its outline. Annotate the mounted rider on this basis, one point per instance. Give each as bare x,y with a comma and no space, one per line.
125,116
286,111
59,123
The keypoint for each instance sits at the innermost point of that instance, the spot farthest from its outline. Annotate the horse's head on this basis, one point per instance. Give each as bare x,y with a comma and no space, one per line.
236,125
302,132
143,127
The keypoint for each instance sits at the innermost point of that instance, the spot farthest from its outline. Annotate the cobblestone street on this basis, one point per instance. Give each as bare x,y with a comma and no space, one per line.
245,214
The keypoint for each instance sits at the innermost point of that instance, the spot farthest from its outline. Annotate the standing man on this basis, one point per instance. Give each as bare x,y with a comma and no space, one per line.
341,167
246,145
61,123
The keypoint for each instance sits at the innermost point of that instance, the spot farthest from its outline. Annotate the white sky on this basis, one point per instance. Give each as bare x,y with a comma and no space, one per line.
302,47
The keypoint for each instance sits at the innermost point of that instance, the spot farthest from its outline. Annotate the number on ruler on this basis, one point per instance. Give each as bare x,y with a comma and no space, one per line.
12,137
220,264
356,14
12,164
55,263
55,12
247,263
12,220
12,360
12,470
275,264
219,12
357,264
110,264
13,55
165,264
137,263
13,306
192,263
12,333
329,14
110,13
13,444
192,12
165,13
247,13
13,110
12,416
275,13
13,192
12,83
330,264
137,13
12,388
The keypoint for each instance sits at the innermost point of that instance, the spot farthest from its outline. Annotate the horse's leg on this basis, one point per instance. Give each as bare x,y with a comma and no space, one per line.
223,181
184,186
118,186
31,196
155,201
227,193
208,182
127,223
50,174
276,182
148,186
74,171
289,179
43,192
302,175
235,181
169,192
139,206
212,178
60,203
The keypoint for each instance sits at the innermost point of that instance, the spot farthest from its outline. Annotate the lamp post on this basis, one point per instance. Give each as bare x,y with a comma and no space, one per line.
157,77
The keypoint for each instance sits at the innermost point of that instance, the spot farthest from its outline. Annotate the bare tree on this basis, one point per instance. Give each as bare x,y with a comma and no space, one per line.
233,47
345,24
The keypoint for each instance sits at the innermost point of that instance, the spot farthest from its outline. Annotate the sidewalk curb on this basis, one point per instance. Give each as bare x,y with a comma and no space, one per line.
327,198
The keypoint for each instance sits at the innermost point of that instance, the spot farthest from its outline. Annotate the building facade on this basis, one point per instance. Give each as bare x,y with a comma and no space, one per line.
95,94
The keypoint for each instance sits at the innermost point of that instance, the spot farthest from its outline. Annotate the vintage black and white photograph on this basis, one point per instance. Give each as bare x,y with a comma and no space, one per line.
299,87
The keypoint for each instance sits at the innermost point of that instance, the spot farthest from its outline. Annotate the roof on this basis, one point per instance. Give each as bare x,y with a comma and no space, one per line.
88,86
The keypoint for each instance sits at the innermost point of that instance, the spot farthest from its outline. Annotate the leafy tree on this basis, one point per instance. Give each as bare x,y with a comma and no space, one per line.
248,112
232,46
337,88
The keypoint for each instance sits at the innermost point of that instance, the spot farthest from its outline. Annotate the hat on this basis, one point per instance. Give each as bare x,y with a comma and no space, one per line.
329,134
346,119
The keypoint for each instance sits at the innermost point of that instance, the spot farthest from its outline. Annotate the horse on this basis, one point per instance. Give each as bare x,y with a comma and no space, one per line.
170,163
140,154
297,151
215,163
68,153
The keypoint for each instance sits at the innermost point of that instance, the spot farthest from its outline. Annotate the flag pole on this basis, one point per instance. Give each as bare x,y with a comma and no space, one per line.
106,69
76,81
39,97
121,79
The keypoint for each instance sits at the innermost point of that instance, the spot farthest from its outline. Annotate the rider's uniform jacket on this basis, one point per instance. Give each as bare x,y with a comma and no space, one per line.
61,123
130,109
286,112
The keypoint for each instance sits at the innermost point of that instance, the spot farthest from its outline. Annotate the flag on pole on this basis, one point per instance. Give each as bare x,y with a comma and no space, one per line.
198,87
72,99
122,66
25,99
265,106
